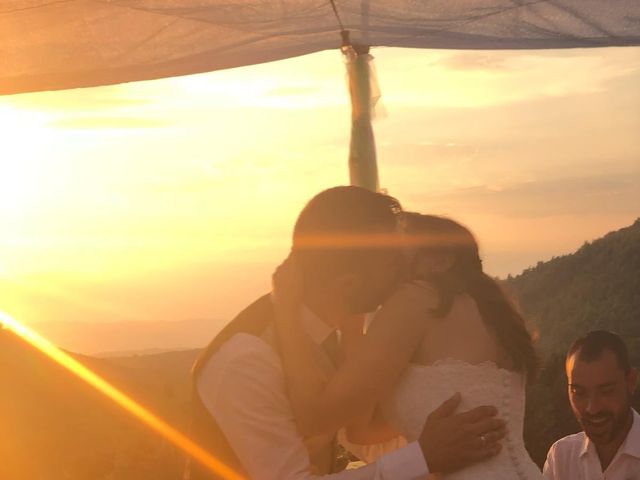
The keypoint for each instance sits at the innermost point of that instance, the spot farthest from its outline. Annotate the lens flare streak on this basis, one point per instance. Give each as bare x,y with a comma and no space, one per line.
151,420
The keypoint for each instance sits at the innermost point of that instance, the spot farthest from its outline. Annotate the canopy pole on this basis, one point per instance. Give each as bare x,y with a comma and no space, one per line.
363,167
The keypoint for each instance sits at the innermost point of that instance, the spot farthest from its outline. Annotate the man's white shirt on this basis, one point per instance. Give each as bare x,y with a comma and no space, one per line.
243,388
575,458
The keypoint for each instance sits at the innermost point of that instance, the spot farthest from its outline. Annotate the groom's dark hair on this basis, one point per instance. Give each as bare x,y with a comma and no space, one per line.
340,228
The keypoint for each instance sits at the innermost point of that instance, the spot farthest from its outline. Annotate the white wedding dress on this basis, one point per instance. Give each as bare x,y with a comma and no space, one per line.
423,388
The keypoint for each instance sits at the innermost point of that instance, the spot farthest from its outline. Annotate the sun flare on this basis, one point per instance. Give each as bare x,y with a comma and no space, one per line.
152,421
21,160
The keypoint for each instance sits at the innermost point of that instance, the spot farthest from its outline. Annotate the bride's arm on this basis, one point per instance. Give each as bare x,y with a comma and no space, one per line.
324,405
371,430
371,427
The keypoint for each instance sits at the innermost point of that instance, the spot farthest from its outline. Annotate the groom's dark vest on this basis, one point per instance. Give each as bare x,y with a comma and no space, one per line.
205,431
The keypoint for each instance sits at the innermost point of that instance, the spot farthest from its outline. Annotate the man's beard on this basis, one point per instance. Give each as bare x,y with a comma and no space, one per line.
604,427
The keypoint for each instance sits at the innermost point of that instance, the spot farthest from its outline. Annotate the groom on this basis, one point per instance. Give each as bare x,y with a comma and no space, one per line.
241,411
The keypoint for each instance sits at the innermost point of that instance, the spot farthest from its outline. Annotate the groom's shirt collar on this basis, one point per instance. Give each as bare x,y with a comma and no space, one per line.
242,386
317,329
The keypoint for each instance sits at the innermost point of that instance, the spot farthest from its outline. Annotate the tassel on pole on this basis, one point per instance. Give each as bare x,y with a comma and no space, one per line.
363,168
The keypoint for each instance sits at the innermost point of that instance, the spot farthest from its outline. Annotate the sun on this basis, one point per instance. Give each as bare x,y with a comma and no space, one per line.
18,187
21,161
26,180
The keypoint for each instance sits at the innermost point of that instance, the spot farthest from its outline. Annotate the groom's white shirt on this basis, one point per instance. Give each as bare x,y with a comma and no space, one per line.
243,387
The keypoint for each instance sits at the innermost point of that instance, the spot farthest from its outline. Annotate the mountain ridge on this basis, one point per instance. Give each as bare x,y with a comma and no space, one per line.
102,339
598,286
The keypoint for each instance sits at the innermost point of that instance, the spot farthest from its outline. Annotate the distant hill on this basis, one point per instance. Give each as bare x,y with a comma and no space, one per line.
55,427
122,338
597,287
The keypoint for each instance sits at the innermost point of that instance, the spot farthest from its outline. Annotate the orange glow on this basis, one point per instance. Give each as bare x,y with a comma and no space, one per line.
379,240
134,184
155,423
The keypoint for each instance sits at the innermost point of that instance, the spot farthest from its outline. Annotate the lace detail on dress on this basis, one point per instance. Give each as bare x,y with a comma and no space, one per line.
423,388
455,362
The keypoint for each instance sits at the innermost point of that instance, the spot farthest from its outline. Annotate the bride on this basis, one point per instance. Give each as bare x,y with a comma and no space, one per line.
449,329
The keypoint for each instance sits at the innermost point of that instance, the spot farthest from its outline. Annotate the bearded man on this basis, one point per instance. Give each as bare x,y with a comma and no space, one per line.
601,383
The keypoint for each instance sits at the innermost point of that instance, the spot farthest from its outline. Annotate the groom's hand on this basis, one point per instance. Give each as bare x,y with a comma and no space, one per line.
452,441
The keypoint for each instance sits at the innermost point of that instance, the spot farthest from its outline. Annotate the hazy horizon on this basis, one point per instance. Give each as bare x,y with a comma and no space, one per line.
107,337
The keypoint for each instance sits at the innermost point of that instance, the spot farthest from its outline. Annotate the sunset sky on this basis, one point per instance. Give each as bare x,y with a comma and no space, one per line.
175,198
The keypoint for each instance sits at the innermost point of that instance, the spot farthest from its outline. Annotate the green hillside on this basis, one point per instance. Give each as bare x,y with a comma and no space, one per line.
597,287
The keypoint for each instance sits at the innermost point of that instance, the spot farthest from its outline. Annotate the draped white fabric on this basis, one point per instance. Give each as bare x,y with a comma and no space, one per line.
56,44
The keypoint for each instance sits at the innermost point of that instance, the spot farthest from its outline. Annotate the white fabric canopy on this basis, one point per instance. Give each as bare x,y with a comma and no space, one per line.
56,44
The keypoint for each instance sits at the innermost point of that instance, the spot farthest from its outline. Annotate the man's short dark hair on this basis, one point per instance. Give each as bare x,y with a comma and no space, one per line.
591,346
340,227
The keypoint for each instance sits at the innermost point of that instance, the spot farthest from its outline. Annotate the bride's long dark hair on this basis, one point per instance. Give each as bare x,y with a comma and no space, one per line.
433,234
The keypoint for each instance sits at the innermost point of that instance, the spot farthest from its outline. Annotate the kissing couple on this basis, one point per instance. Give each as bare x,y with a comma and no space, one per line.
383,339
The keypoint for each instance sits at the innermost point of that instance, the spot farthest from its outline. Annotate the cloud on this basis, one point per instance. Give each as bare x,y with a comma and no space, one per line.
289,91
108,123
591,195
476,79
83,99
473,61
419,152
502,144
